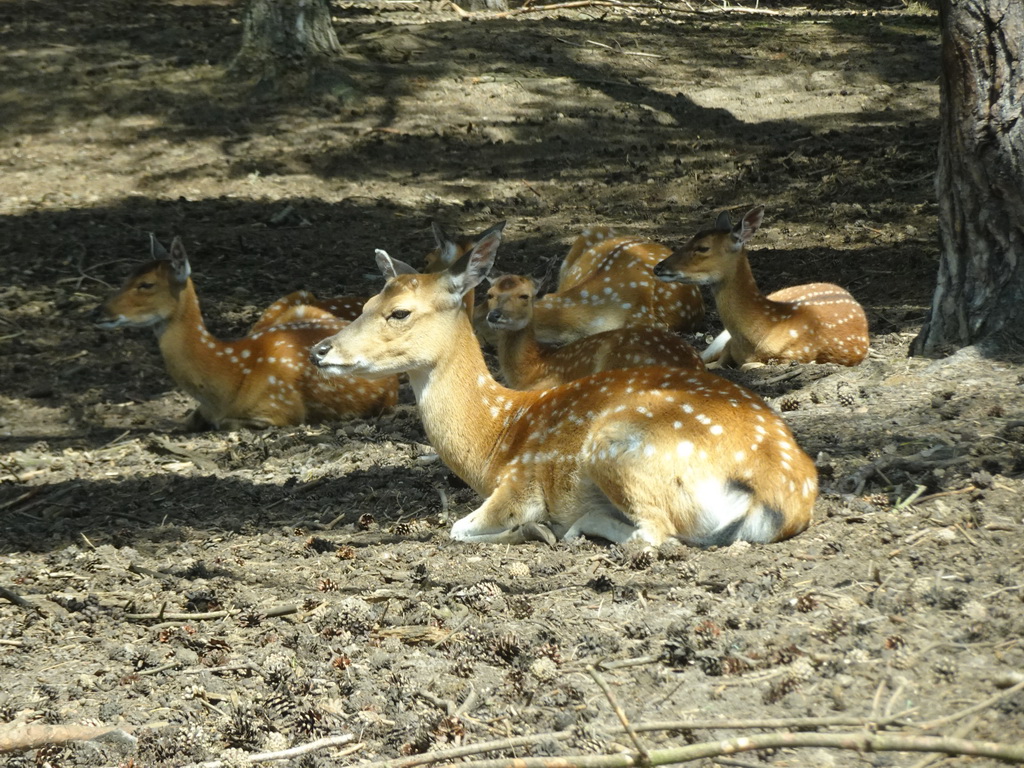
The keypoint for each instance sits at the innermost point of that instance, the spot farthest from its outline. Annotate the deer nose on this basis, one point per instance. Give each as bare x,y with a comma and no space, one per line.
494,316
319,352
660,269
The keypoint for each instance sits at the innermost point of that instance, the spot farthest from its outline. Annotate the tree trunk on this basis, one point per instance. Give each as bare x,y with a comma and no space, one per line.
979,298
290,46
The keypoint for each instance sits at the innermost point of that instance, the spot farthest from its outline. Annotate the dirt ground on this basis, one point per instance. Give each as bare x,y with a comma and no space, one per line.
256,590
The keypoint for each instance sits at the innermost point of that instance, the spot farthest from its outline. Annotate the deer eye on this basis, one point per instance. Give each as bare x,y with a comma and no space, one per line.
399,314
524,297
701,248
145,286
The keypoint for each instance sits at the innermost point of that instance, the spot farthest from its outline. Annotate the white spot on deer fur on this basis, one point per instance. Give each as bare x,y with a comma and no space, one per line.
684,449
715,429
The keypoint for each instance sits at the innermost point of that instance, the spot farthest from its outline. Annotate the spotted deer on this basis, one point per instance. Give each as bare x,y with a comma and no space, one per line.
303,306
812,323
646,454
260,380
528,364
606,283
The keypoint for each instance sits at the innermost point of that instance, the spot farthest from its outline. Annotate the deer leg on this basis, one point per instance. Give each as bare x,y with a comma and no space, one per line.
716,354
508,516
603,525
197,422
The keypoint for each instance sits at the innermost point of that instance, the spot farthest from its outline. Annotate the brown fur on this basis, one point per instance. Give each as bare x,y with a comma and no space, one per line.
528,364
647,453
813,323
262,379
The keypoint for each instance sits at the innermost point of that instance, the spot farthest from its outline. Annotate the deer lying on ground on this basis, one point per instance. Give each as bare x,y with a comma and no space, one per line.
303,306
527,364
647,453
260,380
606,283
812,323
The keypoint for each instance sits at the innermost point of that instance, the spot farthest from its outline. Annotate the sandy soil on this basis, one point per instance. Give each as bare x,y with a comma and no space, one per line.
255,590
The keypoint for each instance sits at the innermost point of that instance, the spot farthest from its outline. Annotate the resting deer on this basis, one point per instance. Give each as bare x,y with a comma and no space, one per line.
647,453
528,364
605,283
812,323
260,380
303,306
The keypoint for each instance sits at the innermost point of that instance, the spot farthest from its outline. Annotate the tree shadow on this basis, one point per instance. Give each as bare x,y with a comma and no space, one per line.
165,506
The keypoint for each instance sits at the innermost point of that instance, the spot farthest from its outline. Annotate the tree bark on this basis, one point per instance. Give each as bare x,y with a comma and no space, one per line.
979,298
289,46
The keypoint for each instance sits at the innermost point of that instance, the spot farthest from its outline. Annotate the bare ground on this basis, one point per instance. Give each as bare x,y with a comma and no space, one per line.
256,590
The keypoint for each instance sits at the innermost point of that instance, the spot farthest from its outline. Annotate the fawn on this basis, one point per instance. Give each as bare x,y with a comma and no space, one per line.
527,364
260,380
605,283
812,323
303,306
647,453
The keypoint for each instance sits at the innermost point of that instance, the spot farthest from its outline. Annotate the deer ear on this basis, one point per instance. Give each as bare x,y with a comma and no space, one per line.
156,248
446,245
747,226
392,267
179,261
723,222
440,235
469,271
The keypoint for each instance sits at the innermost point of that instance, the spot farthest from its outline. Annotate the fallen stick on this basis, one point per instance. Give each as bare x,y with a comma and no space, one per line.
989,702
858,742
14,597
281,610
285,754
563,6
515,742
619,712
19,737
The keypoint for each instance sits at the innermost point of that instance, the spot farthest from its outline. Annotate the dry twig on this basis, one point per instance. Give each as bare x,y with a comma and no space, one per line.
286,754
860,742
619,713
19,737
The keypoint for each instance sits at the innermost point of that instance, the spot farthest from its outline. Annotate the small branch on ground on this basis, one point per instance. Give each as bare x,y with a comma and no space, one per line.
286,754
859,742
281,610
931,725
619,713
19,737
18,600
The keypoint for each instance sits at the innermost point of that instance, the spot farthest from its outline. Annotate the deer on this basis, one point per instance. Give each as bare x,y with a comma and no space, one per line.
303,306
264,379
645,454
811,323
527,364
605,283
300,306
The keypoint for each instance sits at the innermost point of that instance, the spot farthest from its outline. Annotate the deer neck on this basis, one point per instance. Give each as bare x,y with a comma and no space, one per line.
464,411
195,359
520,355
558,320
741,305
